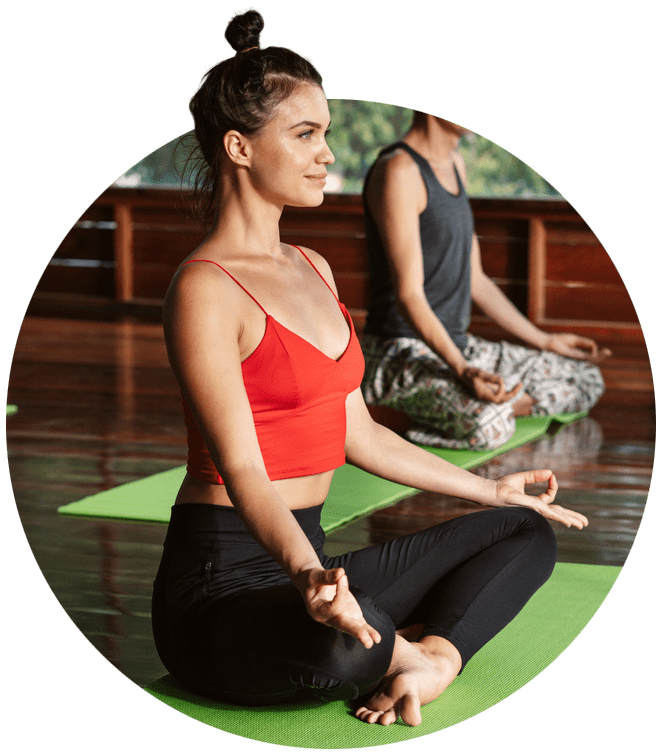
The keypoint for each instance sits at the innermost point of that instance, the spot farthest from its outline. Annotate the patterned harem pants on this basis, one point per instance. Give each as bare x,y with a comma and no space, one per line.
404,374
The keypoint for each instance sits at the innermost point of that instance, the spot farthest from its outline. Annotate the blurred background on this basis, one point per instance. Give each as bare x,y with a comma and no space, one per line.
359,131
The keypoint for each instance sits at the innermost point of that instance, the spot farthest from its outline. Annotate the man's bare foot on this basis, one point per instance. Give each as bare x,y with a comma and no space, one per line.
419,673
523,406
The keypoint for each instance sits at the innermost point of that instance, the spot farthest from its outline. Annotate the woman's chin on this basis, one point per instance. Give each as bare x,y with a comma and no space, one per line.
313,200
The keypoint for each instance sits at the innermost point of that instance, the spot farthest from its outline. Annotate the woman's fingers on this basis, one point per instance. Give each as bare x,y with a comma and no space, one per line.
335,606
351,616
519,480
531,476
362,632
552,489
560,514
566,516
328,576
514,495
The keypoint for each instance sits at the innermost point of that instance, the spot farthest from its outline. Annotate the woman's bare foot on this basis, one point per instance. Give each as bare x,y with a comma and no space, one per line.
419,673
410,633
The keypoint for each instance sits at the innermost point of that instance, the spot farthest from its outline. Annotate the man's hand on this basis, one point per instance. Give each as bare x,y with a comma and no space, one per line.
576,347
487,386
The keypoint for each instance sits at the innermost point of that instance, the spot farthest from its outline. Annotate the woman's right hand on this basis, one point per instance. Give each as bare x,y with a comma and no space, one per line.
329,601
486,386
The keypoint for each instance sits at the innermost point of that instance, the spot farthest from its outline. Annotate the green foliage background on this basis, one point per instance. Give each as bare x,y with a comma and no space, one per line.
359,131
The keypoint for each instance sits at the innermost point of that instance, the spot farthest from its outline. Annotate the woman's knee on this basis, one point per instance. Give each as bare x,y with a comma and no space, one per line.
543,538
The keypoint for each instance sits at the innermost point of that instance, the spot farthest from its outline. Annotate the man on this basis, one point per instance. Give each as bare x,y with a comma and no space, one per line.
460,391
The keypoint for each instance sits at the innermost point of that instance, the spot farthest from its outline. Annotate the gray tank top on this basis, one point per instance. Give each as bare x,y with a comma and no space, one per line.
446,226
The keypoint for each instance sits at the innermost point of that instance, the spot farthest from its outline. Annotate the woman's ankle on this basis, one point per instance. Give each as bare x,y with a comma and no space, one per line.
443,650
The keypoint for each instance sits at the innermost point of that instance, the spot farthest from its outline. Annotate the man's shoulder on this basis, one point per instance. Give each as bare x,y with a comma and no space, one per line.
396,165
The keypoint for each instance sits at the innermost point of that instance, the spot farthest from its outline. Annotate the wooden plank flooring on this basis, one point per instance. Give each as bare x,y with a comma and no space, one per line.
98,407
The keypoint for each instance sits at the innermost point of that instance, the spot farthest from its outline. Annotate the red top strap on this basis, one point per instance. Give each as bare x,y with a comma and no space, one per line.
315,268
238,283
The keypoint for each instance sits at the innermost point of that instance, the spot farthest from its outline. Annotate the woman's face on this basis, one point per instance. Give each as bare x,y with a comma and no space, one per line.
290,155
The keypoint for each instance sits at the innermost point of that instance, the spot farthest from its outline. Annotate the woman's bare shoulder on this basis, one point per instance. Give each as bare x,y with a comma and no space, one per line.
197,276
321,264
201,291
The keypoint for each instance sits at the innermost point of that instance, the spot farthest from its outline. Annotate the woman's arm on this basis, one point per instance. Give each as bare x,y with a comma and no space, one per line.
396,196
203,323
378,450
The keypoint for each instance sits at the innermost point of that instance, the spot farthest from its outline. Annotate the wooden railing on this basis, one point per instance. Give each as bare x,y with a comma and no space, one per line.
127,245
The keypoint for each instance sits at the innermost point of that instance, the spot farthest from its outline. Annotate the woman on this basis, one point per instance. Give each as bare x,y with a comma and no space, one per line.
247,608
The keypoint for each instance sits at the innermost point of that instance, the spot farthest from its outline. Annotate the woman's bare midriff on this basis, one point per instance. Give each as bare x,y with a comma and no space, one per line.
297,492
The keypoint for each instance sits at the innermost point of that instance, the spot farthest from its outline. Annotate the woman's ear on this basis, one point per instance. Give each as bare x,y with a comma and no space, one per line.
237,147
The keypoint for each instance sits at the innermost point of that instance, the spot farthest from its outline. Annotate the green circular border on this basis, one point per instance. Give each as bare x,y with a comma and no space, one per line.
95,88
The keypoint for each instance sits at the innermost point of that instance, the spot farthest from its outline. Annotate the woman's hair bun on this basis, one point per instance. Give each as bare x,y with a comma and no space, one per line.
243,30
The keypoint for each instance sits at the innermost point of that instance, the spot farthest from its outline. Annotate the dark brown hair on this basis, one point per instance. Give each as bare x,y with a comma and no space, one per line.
242,94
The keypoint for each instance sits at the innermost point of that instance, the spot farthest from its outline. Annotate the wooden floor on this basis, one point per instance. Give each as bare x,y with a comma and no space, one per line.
98,407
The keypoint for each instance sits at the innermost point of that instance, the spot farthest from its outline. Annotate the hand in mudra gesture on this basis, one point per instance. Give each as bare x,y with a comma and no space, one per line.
576,347
511,492
487,386
330,602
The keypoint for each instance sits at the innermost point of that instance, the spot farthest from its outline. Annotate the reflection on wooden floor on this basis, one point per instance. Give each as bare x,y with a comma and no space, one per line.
98,407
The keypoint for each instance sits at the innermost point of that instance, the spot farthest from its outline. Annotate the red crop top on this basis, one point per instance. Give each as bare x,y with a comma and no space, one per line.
298,400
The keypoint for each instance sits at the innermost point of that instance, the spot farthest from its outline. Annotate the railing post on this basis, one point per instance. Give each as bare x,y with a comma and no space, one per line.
124,272
537,251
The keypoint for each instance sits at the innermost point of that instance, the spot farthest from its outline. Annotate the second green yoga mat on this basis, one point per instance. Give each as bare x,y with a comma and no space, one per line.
353,493
551,620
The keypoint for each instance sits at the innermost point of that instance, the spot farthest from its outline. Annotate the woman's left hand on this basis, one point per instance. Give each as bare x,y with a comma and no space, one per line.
510,491
330,602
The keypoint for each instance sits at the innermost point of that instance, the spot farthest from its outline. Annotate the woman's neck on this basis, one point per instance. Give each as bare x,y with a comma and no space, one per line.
245,223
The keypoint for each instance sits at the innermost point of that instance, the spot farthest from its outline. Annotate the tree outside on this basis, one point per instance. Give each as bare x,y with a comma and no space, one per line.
359,131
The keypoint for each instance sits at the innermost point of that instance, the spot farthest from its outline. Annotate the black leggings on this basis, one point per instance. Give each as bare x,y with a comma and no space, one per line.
228,623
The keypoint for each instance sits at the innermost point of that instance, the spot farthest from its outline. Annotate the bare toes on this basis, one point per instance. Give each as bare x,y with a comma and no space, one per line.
388,717
369,716
411,710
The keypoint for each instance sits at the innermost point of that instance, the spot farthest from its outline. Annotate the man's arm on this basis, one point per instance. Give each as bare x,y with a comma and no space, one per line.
493,302
396,196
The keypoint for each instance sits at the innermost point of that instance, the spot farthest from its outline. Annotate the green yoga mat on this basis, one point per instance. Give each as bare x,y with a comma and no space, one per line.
540,633
353,492
527,430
